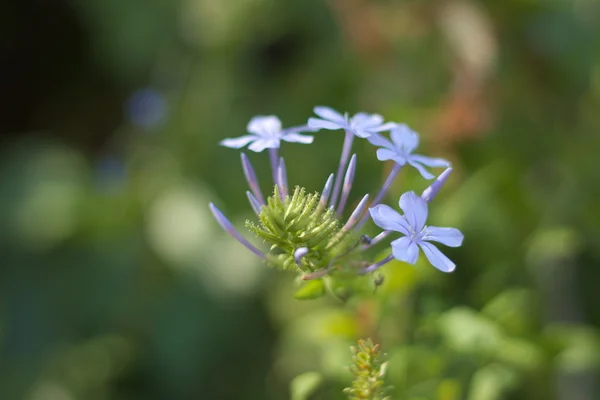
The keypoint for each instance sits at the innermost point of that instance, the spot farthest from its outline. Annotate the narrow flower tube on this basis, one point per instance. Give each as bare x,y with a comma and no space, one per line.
382,192
229,228
348,139
348,179
434,188
251,178
282,178
377,265
274,158
326,192
299,254
356,214
255,204
376,239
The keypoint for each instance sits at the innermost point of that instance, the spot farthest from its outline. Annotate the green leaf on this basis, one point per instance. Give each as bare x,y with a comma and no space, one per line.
311,290
304,385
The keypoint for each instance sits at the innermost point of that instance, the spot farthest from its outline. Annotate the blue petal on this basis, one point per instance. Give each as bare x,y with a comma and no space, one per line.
239,142
380,141
424,173
415,210
265,126
405,250
316,123
385,127
261,144
436,258
366,121
404,138
449,236
386,154
430,161
389,219
329,114
361,132
296,138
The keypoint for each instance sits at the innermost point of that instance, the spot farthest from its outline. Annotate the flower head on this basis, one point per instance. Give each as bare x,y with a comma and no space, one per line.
362,124
266,133
404,142
417,234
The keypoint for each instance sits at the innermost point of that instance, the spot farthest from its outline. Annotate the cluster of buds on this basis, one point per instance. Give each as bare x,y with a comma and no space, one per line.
305,231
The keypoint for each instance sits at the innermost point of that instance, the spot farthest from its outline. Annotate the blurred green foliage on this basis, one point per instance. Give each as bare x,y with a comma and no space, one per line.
117,284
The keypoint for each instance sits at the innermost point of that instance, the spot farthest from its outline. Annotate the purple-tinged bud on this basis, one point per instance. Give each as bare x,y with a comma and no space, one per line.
434,188
299,254
282,178
229,228
253,202
348,179
326,192
377,265
251,178
360,208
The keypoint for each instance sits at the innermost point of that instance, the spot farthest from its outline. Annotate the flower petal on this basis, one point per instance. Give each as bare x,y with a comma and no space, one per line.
329,114
366,120
430,161
385,127
436,258
404,138
316,123
415,210
261,144
387,218
381,141
296,138
265,126
239,142
424,173
361,132
449,236
387,154
405,250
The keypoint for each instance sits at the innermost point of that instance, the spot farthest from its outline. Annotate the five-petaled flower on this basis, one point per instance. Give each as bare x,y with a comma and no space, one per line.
404,142
362,124
266,133
417,234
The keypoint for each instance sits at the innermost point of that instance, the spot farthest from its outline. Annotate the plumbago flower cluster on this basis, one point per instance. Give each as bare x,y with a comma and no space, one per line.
305,231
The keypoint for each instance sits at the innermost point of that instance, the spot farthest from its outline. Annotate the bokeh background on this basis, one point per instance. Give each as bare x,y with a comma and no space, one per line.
116,283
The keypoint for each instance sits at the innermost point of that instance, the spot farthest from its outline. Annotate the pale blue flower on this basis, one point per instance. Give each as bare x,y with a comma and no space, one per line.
266,133
417,234
362,124
404,142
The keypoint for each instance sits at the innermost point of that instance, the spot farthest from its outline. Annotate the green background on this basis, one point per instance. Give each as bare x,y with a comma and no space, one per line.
116,283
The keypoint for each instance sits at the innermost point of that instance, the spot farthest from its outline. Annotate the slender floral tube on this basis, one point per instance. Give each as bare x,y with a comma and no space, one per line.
434,188
282,178
348,179
377,265
382,192
326,192
376,239
348,139
229,228
255,204
356,214
274,158
251,178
